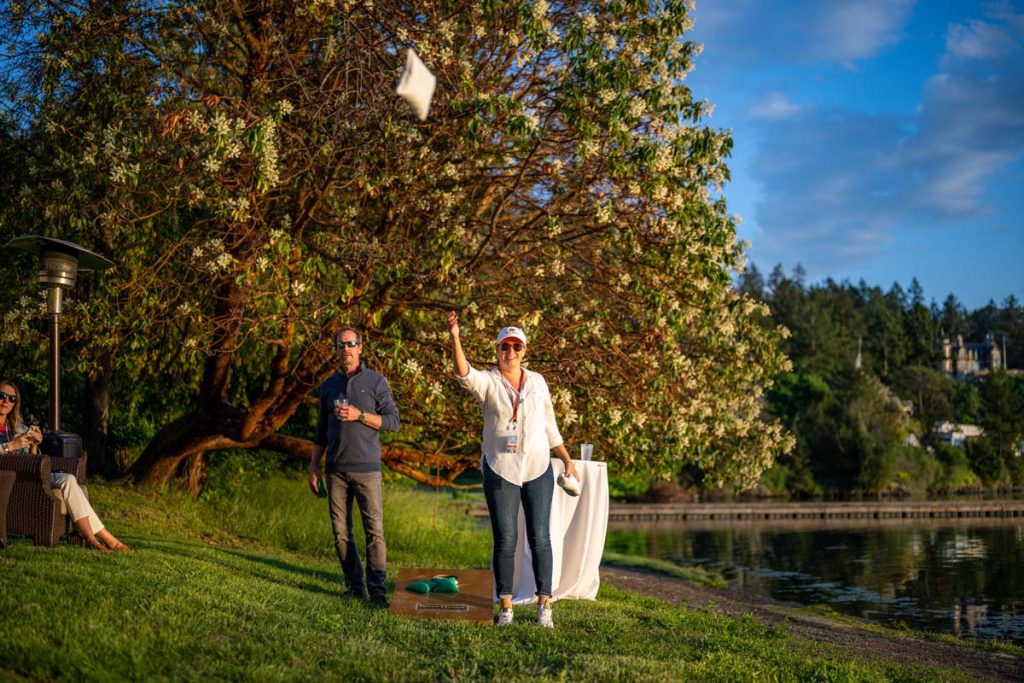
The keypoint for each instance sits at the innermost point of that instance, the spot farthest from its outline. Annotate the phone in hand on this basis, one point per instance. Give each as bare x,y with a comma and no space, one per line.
35,437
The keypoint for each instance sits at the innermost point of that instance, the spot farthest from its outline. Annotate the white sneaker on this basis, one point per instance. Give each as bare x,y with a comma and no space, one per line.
544,615
505,617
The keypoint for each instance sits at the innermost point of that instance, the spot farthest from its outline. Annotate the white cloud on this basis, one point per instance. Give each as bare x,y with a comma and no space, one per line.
838,184
800,31
977,40
848,31
774,105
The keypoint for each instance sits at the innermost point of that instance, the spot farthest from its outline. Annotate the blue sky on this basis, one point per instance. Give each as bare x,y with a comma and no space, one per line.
874,139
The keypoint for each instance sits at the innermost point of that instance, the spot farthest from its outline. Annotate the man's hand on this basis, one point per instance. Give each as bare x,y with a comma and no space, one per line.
347,413
314,480
453,323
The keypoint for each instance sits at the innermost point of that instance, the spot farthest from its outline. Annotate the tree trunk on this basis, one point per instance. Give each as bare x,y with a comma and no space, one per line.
96,412
191,434
196,472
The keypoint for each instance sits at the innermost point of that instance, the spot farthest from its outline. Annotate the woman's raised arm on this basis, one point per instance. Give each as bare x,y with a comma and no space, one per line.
458,356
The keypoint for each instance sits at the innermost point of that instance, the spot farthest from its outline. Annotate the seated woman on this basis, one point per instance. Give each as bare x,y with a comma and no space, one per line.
17,438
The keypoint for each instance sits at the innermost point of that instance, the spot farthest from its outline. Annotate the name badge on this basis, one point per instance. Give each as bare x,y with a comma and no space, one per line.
511,438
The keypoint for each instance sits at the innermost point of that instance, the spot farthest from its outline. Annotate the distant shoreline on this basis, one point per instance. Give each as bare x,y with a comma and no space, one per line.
858,511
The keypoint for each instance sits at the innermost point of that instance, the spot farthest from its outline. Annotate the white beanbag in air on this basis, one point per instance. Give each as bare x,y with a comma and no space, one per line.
416,84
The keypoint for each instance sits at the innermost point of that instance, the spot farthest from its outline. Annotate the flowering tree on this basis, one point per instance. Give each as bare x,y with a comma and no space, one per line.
261,185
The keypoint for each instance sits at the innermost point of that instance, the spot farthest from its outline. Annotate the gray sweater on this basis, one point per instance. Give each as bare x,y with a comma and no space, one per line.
353,446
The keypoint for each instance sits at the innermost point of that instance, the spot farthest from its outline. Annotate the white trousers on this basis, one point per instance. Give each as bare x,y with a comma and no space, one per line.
78,504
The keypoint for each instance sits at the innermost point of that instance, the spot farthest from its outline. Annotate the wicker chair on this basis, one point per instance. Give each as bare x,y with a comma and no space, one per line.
6,485
36,509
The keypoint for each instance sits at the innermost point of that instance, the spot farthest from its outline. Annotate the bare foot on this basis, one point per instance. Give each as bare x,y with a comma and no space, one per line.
110,540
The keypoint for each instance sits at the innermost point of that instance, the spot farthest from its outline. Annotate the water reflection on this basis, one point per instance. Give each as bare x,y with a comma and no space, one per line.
964,577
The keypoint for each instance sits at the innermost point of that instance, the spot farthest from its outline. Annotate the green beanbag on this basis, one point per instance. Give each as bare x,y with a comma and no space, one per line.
444,584
419,587
438,584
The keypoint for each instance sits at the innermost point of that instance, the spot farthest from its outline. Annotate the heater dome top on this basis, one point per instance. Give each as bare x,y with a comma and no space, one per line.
87,260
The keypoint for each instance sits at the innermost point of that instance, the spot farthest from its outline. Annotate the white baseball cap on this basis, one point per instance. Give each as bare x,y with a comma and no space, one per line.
512,333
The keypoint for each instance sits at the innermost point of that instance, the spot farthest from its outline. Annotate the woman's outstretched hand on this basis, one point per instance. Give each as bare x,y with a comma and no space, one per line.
458,355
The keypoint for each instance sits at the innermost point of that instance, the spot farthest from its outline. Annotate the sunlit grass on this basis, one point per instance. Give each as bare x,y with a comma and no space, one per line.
695,574
245,586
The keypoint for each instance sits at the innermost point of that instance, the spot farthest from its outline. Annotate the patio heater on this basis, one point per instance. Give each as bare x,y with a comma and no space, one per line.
59,265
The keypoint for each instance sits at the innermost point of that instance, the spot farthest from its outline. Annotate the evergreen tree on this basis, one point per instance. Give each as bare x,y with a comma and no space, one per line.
752,283
921,329
954,319
1009,326
1002,417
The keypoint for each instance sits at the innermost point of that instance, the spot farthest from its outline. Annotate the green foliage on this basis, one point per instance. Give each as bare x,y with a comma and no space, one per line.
1002,405
985,461
808,408
932,393
850,425
956,473
258,184
627,486
234,471
966,403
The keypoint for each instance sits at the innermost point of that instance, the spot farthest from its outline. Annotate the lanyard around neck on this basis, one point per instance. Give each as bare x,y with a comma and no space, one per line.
515,396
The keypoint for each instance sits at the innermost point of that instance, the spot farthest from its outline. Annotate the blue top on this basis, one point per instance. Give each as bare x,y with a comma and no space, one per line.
354,446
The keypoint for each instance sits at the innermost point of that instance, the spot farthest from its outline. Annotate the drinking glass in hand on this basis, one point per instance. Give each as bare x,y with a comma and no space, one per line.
339,405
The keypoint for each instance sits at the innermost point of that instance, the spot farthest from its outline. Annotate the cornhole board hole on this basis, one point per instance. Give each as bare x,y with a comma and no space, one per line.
473,602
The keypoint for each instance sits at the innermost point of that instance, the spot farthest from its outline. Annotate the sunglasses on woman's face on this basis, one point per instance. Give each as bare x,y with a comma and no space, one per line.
10,398
515,347
351,344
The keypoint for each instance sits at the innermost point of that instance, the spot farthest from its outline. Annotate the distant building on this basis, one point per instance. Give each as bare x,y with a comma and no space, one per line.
965,359
956,434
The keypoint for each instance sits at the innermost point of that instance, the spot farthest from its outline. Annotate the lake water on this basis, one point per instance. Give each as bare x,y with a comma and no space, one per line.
964,577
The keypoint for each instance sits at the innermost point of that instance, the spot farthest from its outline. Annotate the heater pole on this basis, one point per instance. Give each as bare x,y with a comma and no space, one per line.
54,295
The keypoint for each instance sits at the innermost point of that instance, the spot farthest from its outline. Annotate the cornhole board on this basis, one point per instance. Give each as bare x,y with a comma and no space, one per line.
474,601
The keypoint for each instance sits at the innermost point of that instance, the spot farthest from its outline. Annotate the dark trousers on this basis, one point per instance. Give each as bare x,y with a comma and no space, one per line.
364,488
503,501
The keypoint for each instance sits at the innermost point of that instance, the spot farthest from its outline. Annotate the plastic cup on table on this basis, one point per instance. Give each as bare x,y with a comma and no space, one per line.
586,450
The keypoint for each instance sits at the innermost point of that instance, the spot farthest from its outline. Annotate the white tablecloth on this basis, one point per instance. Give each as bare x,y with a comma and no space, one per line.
578,527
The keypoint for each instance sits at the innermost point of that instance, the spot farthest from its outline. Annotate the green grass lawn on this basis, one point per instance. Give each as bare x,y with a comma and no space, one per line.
245,586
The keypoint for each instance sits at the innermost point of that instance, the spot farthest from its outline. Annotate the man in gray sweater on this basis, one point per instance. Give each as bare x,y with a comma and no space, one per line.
356,405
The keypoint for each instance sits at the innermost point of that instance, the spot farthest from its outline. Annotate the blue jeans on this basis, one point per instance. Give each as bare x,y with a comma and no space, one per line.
503,499
364,488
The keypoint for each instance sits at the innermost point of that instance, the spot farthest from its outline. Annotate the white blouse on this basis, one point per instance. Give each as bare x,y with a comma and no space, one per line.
535,423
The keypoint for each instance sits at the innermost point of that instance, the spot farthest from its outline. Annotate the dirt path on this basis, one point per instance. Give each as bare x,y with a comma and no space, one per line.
978,664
